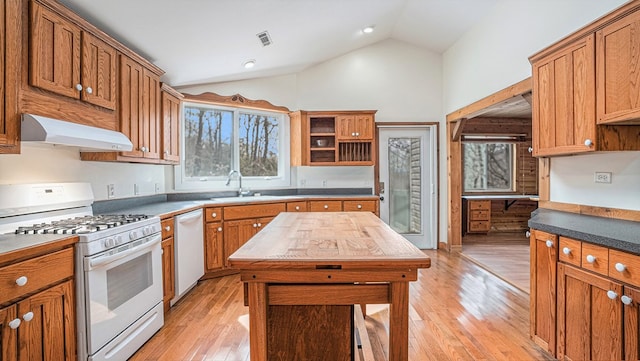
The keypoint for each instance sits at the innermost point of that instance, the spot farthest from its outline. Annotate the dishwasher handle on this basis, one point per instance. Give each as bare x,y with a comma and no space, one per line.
189,218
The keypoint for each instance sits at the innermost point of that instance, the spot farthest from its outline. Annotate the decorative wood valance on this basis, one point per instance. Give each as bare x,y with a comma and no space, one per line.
235,100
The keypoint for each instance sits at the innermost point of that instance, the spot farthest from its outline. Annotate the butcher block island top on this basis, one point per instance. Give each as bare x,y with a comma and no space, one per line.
304,273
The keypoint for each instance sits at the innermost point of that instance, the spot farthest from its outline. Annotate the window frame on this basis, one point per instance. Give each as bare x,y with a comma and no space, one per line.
512,164
218,183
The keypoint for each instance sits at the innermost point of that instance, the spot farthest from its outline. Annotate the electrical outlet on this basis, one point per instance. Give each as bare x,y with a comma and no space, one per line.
602,177
136,189
324,183
111,191
157,187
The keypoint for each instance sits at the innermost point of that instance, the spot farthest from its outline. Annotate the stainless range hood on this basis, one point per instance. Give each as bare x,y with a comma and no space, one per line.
36,128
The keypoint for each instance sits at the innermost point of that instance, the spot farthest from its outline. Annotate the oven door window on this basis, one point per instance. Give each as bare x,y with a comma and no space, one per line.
119,292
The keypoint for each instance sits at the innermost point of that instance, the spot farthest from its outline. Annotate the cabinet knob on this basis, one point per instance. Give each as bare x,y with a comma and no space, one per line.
79,87
28,316
353,134
549,243
527,234
214,214
144,149
566,250
15,323
588,142
167,228
297,208
359,206
612,294
219,229
255,225
259,225
326,206
166,152
626,300
530,149
591,258
620,267
21,281
89,90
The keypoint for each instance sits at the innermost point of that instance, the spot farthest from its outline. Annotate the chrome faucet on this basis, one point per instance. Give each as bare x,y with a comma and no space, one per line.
241,192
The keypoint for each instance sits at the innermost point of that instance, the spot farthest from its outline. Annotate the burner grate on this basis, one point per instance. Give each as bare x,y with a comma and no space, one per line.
81,225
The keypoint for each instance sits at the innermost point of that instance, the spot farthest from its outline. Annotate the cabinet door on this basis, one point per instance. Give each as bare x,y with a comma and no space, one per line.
631,310
618,52
55,52
214,249
564,101
50,333
589,321
150,115
168,272
354,127
130,104
8,335
170,128
542,296
98,72
237,233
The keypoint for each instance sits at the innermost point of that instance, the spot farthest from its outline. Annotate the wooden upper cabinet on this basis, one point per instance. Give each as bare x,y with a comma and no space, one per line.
564,101
130,107
150,115
9,76
354,127
618,69
70,62
99,72
171,111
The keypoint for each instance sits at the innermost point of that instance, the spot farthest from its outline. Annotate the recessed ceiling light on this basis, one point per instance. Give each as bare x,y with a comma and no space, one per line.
368,29
249,64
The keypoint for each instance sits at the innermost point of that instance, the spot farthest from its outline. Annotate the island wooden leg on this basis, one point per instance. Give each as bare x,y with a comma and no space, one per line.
258,321
399,322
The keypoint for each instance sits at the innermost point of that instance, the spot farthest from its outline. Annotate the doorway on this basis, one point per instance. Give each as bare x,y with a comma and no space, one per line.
408,181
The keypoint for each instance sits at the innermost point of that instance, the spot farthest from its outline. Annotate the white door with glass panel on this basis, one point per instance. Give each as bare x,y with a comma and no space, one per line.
408,182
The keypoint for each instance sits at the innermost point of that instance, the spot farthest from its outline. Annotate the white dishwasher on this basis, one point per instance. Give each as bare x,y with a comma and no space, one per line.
189,251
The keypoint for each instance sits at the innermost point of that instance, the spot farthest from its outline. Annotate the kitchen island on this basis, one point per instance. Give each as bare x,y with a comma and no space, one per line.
304,272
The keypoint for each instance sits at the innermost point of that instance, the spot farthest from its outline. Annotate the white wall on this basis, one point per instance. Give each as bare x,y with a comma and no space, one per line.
494,55
44,163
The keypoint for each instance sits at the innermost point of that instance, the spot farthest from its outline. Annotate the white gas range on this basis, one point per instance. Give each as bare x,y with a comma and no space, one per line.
118,263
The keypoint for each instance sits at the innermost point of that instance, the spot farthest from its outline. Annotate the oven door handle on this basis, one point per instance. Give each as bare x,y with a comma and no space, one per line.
92,263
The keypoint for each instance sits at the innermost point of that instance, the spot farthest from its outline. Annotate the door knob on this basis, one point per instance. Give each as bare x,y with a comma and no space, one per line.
381,198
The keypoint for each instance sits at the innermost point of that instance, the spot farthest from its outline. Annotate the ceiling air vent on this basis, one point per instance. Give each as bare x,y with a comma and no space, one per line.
264,37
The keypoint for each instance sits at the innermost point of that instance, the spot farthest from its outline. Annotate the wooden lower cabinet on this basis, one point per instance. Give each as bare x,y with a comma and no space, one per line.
168,263
590,317
214,238
631,312
238,232
40,327
542,297
325,206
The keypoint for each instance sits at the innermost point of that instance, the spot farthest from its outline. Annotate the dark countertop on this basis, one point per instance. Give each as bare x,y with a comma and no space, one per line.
614,233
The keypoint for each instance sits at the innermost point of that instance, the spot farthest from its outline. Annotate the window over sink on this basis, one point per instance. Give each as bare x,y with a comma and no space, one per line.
217,140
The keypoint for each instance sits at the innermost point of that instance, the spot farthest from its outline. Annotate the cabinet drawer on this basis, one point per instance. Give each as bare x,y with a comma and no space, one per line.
297,206
167,228
476,205
624,267
39,272
595,258
325,206
213,214
254,211
355,206
479,215
570,251
479,226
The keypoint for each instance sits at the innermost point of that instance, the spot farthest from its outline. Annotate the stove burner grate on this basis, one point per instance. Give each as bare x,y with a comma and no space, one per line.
81,225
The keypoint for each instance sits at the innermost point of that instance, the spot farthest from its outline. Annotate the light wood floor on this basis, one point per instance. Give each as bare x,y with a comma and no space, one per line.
458,311
504,254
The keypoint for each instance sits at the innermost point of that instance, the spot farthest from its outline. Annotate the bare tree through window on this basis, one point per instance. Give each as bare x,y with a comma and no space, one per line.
488,166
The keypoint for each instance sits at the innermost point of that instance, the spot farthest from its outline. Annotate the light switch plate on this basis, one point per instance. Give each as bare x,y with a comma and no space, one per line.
111,191
602,177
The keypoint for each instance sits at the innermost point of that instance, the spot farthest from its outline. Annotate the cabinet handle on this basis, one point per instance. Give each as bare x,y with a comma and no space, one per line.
620,267
591,258
21,281
15,323
530,149
527,234
28,316
588,142
612,295
353,134
326,206
214,214
143,149
297,208
79,87
626,300
219,229
89,90
166,152
259,225
549,243
255,225
357,134
167,228
359,206
566,250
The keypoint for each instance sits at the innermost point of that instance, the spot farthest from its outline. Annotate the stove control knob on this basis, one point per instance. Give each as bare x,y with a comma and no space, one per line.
109,242
119,239
153,228
133,235
146,231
